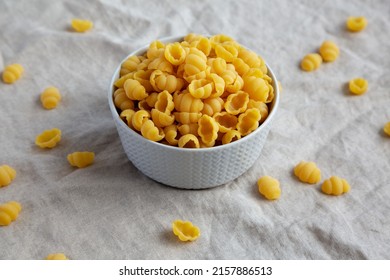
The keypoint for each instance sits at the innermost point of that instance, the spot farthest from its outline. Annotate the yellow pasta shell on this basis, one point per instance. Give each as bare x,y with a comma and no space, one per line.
48,138
175,53
307,172
335,186
171,134
231,136
50,98
188,141
162,119
81,159
152,132
329,51
237,103
56,256
7,175
208,129
134,90
81,25
9,212
358,86
356,24
225,121
257,88
386,128
311,62
12,73
248,121
185,230
269,187
139,118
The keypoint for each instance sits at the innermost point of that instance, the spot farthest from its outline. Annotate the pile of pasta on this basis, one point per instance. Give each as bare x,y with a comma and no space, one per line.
201,92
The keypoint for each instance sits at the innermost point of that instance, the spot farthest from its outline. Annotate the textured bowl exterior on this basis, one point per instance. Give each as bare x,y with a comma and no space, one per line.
191,168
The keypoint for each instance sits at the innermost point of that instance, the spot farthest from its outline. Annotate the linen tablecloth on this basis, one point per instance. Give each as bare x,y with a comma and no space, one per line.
110,210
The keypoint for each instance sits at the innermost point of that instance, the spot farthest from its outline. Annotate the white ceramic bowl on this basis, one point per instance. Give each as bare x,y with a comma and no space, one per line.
191,168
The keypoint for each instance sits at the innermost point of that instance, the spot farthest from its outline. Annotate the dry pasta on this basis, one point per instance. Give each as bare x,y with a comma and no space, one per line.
9,212
7,175
237,103
307,172
356,24
12,73
335,186
188,141
329,51
56,257
269,187
134,90
248,121
311,62
150,131
230,136
386,128
208,130
81,25
81,159
50,98
199,92
171,134
358,86
185,230
48,138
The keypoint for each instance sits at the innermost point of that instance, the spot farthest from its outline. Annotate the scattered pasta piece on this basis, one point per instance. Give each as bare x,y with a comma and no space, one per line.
12,73
386,128
358,86
185,230
7,175
81,25
9,212
50,98
329,51
308,172
311,62
269,187
48,138
335,186
81,159
356,24
56,256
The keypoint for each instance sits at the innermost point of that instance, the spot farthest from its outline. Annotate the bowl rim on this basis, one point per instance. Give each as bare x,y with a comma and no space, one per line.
169,39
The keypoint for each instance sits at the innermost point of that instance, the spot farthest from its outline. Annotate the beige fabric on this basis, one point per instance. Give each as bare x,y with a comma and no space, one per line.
112,211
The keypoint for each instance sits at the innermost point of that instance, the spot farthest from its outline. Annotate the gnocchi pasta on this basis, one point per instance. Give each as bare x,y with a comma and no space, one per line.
269,187
9,212
81,159
56,257
311,62
7,175
81,25
12,73
329,51
307,172
386,128
358,86
335,186
185,230
356,24
48,138
200,92
50,98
